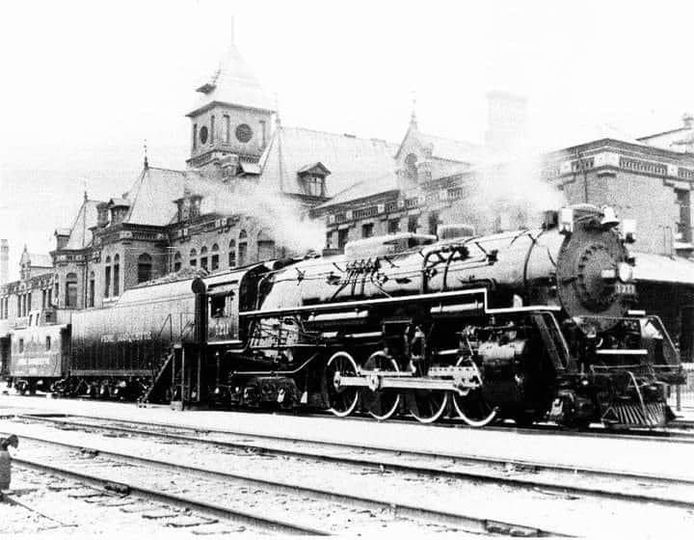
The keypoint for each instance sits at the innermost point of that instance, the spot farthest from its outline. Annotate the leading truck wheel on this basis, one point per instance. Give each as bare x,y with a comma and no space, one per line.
342,399
381,404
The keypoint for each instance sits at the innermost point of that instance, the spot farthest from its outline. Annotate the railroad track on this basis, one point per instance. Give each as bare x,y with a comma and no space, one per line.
519,474
678,431
95,465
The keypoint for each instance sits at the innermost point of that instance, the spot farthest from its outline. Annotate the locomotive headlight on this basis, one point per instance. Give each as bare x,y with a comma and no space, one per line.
625,272
566,220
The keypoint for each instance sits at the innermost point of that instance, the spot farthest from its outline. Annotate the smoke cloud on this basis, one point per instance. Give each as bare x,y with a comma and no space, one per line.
284,219
510,189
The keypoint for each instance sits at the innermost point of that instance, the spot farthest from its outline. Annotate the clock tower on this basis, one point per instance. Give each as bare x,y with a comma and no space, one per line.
230,125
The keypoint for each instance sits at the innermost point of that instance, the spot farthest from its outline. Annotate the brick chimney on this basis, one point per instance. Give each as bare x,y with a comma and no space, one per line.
506,121
4,261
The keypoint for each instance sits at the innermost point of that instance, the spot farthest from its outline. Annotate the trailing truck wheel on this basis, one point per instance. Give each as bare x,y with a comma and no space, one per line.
342,399
427,406
381,404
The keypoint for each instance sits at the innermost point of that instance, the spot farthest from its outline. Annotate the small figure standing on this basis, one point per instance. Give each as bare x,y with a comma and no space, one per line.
5,460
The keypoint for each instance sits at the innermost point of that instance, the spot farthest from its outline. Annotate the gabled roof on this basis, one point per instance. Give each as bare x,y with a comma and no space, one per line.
118,202
314,167
151,198
37,260
80,233
450,149
41,260
234,83
349,159
364,189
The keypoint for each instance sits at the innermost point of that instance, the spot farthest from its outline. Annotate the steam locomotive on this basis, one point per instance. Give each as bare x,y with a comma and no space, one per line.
531,325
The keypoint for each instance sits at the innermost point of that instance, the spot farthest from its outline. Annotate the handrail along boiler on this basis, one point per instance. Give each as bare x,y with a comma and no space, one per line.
529,325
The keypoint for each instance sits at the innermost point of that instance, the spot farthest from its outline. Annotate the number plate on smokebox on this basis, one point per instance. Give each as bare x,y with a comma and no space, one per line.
626,289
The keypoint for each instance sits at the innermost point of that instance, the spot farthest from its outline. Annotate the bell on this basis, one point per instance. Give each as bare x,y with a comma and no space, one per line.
609,218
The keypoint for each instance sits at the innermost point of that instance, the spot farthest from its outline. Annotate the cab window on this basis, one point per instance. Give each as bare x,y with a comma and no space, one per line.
218,306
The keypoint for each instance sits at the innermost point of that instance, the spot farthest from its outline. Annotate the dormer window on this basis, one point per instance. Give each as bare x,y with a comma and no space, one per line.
119,209
312,178
195,204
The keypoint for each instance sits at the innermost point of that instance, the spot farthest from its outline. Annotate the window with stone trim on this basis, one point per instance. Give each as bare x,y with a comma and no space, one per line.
71,290
107,278
116,275
367,230
227,129
214,258
393,226
177,261
684,223
193,262
144,268
232,253
203,257
342,238
92,285
243,247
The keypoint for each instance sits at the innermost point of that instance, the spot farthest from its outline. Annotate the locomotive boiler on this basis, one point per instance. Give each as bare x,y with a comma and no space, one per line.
529,325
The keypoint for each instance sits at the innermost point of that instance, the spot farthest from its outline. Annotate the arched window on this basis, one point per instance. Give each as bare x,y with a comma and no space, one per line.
144,268
107,277
92,285
71,290
203,257
411,166
177,262
232,253
243,247
214,259
116,275
193,260
56,286
266,246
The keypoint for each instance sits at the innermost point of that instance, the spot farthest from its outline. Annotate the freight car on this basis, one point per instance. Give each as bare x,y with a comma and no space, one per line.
530,325
39,354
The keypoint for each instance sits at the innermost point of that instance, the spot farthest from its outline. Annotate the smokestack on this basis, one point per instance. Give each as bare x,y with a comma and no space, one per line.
506,121
4,261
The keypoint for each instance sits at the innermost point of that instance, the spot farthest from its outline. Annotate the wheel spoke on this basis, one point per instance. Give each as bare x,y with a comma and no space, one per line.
342,400
428,406
473,408
381,404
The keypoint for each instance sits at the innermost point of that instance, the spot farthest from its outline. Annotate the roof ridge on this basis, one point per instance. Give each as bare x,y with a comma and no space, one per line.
334,134
668,132
168,169
423,134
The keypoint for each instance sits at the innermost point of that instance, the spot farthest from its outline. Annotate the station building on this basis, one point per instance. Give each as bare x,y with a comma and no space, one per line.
250,181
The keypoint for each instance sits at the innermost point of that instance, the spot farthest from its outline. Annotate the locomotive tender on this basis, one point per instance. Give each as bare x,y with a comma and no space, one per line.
530,325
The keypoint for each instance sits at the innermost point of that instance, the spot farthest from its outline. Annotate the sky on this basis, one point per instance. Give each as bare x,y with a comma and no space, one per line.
85,83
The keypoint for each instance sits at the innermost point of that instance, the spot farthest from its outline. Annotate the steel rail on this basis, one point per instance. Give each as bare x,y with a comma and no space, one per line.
393,460
264,522
468,522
